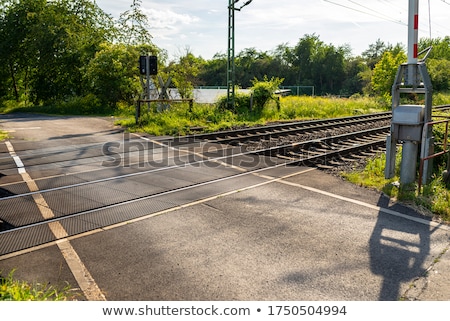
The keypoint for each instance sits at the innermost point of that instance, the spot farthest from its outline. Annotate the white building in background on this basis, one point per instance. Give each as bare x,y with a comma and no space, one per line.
205,96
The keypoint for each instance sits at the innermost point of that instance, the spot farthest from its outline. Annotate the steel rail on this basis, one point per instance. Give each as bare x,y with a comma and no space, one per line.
265,151
311,158
237,135
325,150
292,128
242,136
338,145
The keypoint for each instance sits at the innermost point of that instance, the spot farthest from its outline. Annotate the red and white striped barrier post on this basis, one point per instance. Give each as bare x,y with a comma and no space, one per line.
413,38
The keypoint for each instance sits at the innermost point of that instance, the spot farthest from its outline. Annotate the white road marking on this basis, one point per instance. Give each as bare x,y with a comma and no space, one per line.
270,179
145,217
315,190
84,279
371,206
13,154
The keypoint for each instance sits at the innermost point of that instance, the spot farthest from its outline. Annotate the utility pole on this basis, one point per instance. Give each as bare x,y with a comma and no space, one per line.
231,66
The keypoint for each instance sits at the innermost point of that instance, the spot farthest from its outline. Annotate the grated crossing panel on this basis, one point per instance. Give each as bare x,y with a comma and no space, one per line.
19,211
25,238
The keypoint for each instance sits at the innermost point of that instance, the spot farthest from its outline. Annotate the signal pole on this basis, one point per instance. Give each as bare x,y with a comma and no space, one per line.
231,71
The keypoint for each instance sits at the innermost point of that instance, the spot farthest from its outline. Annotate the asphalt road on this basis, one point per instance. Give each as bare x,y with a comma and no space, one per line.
291,233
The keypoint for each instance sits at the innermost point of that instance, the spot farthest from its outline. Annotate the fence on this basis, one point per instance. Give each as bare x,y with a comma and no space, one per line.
300,90
444,151
167,101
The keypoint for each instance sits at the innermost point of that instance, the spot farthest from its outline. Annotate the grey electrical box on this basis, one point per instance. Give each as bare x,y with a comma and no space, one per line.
408,122
408,115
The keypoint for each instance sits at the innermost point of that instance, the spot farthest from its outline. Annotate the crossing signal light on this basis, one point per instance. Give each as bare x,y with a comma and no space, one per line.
152,65
143,65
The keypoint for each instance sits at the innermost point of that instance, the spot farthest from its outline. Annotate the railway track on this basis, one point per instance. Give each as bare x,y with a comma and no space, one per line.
160,175
292,130
333,151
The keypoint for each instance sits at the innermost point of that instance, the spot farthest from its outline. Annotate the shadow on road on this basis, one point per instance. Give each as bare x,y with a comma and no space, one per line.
398,250
4,225
104,132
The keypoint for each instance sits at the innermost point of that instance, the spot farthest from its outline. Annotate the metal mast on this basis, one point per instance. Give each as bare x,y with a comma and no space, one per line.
231,67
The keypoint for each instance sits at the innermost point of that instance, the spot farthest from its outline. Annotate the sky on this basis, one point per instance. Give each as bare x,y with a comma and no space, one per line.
201,26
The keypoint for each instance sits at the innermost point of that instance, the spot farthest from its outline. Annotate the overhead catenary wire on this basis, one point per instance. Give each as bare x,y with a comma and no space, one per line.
375,11
402,10
383,17
437,27
393,5
366,9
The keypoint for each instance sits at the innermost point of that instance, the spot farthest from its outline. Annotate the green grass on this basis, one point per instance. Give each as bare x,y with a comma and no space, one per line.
3,135
15,290
179,119
306,107
372,175
435,196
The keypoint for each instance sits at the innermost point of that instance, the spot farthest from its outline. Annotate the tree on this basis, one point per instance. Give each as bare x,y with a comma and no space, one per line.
438,62
320,65
113,75
133,26
354,79
282,57
440,47
184,73
17,50
251,63
439,70
304,54
214,72
385,70
45,45
329,69
69,34
373,55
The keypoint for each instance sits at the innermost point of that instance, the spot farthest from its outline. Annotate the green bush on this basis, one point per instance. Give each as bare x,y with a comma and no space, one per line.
441,99
242,103
263,91
85,105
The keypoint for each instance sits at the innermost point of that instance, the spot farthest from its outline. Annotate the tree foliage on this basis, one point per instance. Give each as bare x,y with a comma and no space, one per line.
44,45
54,51
264,91
385,70
184,73
119,81
311,62
133,26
